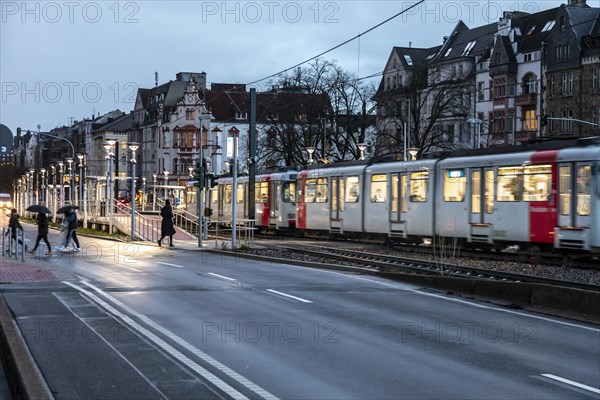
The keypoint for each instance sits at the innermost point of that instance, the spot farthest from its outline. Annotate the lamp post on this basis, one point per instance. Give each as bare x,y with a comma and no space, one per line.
81,197
61,180
44,196
110,143
154,176
19,195
32,185
234,194
362,147
143,193
71,180
166,182
53,168
477,122
310,151
204,116
133,147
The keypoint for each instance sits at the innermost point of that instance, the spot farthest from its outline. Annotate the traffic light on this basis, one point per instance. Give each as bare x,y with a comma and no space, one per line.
544,120
199,175
211,180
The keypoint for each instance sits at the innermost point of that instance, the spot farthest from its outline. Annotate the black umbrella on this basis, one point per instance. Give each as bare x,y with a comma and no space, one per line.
65,209
38,208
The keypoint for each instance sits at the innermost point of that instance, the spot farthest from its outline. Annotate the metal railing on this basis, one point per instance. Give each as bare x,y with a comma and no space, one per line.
146,228
8,248
245,229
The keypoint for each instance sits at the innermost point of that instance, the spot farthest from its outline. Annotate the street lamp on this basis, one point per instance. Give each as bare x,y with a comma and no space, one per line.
110,143
191,172
133,147
61,180
234,190
81,197
154,176
362,147
310,151
166,182
53,168
413,153
478,122
32,185
205,115
44,196
71,180
19,195
143,193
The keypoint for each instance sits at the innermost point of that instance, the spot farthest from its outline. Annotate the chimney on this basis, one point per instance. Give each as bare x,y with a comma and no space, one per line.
577,3
445,39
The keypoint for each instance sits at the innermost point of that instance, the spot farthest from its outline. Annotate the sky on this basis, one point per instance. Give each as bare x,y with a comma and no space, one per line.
66,60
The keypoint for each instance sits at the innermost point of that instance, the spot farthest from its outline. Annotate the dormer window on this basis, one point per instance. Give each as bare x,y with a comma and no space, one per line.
530,31
408,59
448,52
549,25
468,48
562,23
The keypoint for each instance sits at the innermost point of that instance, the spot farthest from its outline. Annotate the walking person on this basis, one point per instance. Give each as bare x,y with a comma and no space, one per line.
14,225
166,226
42,223
72,230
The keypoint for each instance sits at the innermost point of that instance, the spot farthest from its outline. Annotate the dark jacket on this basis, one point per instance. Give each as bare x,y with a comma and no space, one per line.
14,224
166,226
72,220
42,223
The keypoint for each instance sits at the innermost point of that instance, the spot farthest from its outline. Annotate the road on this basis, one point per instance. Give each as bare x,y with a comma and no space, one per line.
133,321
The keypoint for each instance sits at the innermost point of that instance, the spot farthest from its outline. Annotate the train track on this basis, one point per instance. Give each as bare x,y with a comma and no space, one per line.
392,263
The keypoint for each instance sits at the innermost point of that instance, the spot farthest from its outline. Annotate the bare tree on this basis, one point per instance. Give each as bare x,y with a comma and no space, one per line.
433,97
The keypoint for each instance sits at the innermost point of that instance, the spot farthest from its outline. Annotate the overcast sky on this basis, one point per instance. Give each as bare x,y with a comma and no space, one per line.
68,59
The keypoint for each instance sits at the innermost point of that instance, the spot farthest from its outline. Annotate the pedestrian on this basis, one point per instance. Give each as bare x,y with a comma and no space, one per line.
166,226
14,225
42,223
72,230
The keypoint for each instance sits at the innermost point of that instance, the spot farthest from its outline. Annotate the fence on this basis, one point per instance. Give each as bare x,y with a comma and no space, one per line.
8,248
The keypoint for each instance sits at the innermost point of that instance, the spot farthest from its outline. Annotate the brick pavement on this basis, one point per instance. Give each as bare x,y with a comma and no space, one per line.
16,271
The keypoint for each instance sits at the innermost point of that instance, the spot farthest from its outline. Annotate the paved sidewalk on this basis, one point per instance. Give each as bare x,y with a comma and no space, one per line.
19,271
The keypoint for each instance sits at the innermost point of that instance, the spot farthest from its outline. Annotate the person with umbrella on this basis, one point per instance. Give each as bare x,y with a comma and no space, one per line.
71,218
166,226
14,225
42,223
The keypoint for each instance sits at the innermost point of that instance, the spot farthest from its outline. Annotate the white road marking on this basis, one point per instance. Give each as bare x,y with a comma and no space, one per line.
222,277
289,296
572,383
170,265
477,305
197,352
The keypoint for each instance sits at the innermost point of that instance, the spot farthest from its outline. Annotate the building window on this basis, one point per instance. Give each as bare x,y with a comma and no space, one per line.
480,91
551,122
499,87
530,84
551,86
561,23
596,79
531,122
562,53
567,83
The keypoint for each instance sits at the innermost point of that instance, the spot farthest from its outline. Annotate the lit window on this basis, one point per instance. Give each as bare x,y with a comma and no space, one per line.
378,188
418,186
352,189
455,184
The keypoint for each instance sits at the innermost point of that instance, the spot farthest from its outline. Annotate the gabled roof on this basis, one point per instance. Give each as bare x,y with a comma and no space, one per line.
121,124
534,29
466,42
582,19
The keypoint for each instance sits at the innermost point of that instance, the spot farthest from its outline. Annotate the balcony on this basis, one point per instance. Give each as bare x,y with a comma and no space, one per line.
526,99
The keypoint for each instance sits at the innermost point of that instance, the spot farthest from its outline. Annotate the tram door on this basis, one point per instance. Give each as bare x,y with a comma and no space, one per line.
481,205
274,212
336,216
399,208
574,195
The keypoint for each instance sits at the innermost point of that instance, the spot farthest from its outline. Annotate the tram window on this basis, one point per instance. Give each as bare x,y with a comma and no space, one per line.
489,191
261,192
240,193
214,193
455,184
476,192
419,181
378,188
310,195
537,182
510,184
564,189
352,189
322,187
289,192
584,186
228,194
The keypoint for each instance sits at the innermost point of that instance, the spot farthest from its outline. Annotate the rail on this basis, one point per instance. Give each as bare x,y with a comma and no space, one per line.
146,228
8,249
245,229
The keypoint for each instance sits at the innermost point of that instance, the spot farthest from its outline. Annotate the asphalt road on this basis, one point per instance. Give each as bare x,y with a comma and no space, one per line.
146,322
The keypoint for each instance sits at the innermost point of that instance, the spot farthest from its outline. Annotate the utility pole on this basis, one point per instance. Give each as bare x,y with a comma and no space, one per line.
252,154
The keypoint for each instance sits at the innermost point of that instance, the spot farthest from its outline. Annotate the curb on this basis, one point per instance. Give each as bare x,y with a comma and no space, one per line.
25,380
